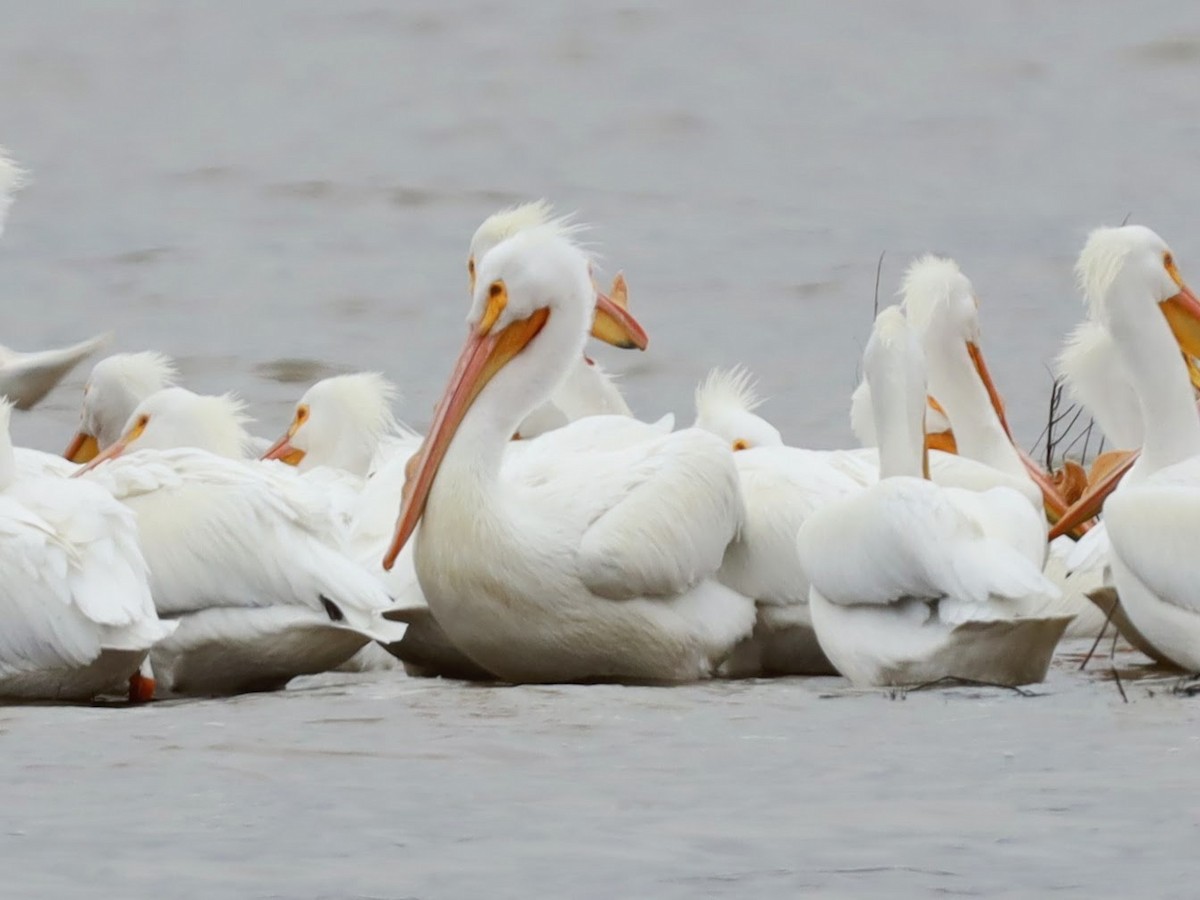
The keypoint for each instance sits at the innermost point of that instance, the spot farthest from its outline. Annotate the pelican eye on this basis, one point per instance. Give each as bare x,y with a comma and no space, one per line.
1172,269
741,444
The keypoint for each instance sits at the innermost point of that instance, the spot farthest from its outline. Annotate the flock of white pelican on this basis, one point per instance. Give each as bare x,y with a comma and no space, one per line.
540,532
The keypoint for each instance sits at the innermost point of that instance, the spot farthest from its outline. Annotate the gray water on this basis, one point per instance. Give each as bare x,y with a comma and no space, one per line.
272,191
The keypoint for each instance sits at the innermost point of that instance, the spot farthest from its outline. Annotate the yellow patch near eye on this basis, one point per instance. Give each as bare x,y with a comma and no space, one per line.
740,444
138,427
1172,269
497,300
300,418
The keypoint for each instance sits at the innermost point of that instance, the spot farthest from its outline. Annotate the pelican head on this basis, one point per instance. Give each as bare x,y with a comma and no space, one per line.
612,323
725,404
1124,273
1096,377
339,422
1123,268
530,311
940,303
175,417
116,386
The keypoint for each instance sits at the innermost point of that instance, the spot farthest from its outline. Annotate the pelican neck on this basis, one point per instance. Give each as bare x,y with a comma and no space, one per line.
1171,428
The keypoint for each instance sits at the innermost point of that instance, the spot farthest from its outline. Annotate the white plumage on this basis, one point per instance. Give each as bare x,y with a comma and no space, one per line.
912,582
1134,290
76,617
246,555
603,568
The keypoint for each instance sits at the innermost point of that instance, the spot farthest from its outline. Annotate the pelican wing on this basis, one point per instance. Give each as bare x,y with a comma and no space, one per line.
782,487
220,532
43,629
1152,528
25,378
108,575
656,517
906,538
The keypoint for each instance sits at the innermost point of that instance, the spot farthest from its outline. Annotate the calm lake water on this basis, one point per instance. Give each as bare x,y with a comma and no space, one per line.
278,190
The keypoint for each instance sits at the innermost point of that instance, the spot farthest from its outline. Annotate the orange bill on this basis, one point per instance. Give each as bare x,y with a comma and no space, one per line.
83,448
1089,505
282,449
115,449
985,376
941,440
614,324
484,354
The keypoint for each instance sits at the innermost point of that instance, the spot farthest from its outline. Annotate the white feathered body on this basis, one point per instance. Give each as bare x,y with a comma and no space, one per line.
78,618
601,567
912,582
250,561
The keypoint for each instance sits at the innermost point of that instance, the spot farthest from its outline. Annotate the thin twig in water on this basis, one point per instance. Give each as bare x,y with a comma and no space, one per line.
1112,609
878,273
1125,221
955,681
1120,687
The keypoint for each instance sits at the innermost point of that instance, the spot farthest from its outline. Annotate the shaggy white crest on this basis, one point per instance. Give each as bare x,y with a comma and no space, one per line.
1105,254
348,416
725,404
176,417
140,373
12,178
1096,377
929,283
727,389
116,386
502,225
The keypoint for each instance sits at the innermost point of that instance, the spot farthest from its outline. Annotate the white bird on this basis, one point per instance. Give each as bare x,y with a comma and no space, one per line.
244,554
117,384
585,389
344,422
784,485
603,571
1134,289
76,617
25,378
912,582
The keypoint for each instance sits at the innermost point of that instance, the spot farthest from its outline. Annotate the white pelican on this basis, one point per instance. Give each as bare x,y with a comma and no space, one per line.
585,389
1134,289
245,555
603,570
117,384
783,485
912,582
25,378
76,617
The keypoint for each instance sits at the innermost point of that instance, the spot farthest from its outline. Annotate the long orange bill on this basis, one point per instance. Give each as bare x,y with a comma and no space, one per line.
1089,505
985,376
614,324
1183,315
113,451
1053,501
481,358
283,451
83,448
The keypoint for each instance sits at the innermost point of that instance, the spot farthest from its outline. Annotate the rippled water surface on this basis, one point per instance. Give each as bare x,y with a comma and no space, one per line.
272,192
